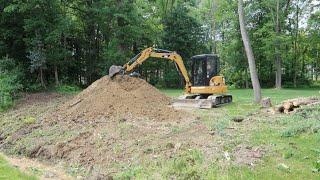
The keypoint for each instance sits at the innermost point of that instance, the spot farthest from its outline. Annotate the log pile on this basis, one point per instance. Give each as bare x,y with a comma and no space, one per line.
292,104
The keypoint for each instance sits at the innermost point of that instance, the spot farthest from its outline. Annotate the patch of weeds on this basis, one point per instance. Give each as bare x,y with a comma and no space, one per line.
67,89
99,143
293,131
29,120
288,154
283,167
34,88
185,166
316,166
76,170
316,129
35,171
296,124
149,150
117,148
132,172
220,126
316,150
124,128
300,128
212,172
175,129
310,112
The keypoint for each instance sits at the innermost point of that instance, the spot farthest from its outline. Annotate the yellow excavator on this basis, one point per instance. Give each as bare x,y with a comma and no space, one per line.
209,89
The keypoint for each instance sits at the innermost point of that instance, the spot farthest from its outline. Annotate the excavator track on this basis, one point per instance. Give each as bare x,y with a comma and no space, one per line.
202,102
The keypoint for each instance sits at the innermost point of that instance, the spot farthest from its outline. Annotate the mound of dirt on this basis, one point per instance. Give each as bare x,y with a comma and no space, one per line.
120,98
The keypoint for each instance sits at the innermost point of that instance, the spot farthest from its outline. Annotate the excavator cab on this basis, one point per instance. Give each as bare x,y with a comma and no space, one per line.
203,68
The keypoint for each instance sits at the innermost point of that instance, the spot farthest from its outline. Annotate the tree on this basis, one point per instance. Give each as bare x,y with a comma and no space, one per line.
278,58
184,34
76,41
249,52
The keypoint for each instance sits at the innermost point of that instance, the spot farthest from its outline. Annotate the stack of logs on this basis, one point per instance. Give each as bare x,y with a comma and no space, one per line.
292,104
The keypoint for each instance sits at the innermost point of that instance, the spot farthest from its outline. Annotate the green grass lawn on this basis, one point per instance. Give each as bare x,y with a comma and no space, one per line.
8,172
246,95
243,98
291,142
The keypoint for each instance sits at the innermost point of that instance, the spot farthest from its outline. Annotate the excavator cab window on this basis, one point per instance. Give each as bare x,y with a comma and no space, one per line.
204,67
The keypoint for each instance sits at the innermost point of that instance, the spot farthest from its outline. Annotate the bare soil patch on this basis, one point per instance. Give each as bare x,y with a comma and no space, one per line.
247,155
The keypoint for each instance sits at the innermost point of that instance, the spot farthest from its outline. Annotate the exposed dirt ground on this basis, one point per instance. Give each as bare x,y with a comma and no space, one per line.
112,122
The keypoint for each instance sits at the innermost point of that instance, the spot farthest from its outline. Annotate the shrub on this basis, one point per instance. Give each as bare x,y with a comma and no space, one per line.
68,89
34,87
9,82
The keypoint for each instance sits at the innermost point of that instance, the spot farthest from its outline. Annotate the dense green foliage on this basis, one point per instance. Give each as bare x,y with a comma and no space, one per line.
9,82
75,42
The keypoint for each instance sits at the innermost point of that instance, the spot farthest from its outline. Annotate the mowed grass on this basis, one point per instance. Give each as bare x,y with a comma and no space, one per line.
8,172
243,98
246,95
291,142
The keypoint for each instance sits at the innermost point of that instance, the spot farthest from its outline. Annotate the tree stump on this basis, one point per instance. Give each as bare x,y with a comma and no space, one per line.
266,102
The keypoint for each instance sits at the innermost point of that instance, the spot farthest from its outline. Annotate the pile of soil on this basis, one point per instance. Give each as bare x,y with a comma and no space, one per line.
121,98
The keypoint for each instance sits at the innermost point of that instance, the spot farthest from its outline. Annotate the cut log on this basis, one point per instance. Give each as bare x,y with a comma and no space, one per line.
288,105
300,102
293,104
287,111
279,108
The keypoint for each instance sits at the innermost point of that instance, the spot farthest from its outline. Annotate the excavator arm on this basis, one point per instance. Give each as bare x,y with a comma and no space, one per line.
156,53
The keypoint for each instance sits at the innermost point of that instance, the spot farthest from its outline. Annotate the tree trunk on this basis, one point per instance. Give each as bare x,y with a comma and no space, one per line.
278,58
246,79
317,66
213,28
56,75
41,78
248,49
295,63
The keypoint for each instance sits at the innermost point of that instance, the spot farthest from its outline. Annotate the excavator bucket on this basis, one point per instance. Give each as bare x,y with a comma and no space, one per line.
114,70
197,101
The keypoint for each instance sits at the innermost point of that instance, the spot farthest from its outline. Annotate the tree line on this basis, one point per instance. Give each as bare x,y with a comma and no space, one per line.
53,42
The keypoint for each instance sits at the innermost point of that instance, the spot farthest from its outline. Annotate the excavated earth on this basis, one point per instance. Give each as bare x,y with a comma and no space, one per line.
123,98
112,124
